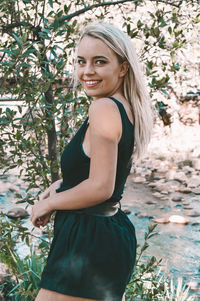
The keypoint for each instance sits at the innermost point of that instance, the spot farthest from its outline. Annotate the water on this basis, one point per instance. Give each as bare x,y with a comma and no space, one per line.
178,245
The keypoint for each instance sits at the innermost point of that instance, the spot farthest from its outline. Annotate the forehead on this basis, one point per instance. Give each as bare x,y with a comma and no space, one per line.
90,46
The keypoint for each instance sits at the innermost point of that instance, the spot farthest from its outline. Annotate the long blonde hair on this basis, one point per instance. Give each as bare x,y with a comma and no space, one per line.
134,87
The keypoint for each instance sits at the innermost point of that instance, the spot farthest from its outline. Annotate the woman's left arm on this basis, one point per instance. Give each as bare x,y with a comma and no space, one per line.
104,133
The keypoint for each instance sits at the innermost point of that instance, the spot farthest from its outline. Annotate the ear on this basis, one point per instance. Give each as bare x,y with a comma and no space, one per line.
123,69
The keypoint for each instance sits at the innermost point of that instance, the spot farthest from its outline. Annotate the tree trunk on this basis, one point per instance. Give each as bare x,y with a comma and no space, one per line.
51,135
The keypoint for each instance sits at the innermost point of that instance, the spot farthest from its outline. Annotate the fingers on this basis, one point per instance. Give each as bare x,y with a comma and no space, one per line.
40,221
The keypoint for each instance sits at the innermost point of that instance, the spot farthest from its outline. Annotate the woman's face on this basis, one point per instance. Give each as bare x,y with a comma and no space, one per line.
98,68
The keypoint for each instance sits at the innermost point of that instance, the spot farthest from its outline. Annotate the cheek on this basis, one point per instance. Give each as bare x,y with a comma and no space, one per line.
79,72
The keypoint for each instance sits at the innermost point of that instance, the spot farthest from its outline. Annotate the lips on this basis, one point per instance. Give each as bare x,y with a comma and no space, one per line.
91,83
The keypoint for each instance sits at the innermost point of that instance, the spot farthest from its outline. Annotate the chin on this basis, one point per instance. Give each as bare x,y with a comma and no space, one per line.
92,94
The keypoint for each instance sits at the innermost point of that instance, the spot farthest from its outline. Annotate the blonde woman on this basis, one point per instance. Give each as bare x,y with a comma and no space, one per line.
94,247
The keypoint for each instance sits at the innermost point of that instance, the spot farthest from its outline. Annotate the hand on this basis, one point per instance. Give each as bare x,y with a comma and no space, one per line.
36,217
41,213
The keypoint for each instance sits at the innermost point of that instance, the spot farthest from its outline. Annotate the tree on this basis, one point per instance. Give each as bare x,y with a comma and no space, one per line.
38,38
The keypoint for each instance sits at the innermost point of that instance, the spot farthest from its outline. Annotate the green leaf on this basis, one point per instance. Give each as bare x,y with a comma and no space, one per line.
16,37
67,8
50,3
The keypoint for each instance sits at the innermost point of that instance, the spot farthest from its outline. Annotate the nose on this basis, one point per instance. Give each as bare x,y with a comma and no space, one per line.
89,69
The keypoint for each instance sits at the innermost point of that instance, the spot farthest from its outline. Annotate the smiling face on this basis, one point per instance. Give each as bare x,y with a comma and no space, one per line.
98,68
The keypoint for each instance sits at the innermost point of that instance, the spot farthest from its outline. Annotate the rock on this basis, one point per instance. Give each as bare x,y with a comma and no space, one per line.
180,176
177,199
17,212
162,220
138,170
4,177
195,199
150,203
196,163
127,211
157,175
163,198
196,190
196,224
193,214
139,180
162,188
188,170
5,186
4,273
185,163
164,192
146,173
184,190
157,194
194,182
193,285
144,215
170,174
178,219
152,184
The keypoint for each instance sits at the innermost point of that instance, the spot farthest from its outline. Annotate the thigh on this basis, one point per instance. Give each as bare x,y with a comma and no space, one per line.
48,295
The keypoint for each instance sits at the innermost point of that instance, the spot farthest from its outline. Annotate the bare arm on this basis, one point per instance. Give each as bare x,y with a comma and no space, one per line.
104,133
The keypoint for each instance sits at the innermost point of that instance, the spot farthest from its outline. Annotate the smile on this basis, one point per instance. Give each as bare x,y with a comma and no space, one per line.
92,83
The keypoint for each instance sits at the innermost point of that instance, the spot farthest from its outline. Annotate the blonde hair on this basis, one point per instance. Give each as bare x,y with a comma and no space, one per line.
133,84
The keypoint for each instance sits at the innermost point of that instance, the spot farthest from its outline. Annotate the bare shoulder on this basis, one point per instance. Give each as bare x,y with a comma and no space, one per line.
102,104
104,118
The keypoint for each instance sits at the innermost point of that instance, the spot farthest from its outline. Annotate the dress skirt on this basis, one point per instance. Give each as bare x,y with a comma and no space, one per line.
91,256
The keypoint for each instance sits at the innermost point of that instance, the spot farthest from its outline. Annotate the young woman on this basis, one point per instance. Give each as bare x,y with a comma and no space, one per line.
93,251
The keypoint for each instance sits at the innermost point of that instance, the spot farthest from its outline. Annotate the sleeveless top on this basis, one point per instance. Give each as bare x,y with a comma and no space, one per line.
75,164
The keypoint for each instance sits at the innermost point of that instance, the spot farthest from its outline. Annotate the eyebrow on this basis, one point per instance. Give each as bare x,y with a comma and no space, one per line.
95,57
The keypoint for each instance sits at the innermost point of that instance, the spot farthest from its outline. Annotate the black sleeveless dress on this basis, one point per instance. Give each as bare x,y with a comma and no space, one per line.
92,256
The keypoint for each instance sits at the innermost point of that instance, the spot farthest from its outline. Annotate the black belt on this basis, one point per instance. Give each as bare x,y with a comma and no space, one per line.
103,209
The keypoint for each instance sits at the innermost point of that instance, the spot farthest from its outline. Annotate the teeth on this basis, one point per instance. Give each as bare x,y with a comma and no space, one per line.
91,82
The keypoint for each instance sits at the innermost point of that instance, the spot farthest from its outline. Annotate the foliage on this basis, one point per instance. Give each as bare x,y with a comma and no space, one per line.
181,293
147,283
24,284
27,276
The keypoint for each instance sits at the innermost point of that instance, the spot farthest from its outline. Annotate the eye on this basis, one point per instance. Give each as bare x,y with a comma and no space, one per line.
80,62
100,62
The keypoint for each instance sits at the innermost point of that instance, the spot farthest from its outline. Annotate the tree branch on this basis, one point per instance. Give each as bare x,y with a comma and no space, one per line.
90,7
172,3
8,27
109,3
